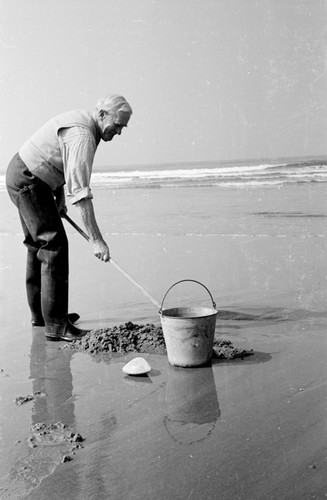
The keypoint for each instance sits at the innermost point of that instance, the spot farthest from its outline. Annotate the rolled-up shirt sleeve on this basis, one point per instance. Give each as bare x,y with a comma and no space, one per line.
78,148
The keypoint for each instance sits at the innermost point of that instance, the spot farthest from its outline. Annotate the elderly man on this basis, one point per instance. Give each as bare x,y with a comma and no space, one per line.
61,152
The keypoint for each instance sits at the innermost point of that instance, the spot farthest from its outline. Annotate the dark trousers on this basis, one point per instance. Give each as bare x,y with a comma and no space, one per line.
46,242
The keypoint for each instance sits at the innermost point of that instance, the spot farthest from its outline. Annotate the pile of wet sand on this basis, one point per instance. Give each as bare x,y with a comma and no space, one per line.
131,337
128,337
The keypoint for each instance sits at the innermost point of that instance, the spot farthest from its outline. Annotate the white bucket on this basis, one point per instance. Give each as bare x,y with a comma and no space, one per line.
189,332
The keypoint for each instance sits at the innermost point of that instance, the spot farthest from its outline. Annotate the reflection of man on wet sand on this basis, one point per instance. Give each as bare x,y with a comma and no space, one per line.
51,374
61,152
42,451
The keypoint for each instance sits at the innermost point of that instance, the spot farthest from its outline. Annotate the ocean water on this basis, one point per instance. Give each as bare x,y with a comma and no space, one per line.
224,174
270,172
254,233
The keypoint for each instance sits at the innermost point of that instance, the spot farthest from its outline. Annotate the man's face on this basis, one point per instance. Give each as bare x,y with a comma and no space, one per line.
111,125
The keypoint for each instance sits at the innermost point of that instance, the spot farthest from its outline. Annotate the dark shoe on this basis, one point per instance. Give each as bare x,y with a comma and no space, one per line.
72,317
37,322
67,332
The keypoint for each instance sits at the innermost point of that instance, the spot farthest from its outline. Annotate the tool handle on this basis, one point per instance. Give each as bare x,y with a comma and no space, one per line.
114,263
72,223
132,280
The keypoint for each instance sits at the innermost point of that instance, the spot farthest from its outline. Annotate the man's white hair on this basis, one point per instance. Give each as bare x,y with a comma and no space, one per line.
113,103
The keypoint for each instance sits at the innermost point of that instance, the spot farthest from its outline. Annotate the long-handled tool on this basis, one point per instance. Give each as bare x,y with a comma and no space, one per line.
114,263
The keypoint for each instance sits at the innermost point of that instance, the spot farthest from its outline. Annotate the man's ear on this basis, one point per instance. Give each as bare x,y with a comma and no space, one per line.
102,114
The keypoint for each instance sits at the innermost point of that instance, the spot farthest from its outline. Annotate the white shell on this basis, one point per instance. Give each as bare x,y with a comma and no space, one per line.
137,366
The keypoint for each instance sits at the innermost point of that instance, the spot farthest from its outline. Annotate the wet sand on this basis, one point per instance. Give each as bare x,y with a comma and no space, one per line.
251,428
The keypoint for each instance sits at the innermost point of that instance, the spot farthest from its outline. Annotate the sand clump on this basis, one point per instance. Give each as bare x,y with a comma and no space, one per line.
224,349
20,400
131,337
53,435
57,435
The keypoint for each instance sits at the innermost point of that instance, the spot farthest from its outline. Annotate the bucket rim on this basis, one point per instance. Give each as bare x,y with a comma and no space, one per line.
207,312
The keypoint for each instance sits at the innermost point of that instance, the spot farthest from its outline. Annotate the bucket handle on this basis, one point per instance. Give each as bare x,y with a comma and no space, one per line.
182,281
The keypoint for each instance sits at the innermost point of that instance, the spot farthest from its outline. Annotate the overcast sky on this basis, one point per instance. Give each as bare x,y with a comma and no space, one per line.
207,79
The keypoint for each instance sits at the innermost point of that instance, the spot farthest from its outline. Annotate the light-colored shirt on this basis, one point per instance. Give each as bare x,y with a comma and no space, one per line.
78,149
62,152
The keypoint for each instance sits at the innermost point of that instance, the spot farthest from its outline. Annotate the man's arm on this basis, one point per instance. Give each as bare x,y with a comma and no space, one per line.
86,210
78,148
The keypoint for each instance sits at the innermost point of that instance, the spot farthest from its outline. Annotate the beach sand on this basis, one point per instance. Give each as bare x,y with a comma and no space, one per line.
240,429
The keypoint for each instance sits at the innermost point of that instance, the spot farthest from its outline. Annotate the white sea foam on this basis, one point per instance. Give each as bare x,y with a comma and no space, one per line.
225,174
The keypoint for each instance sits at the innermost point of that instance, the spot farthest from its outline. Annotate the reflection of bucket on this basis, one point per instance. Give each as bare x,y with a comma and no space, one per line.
189,332
192,407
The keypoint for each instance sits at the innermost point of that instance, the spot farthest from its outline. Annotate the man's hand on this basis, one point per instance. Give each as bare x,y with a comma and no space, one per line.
61,201
101,250
63,211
